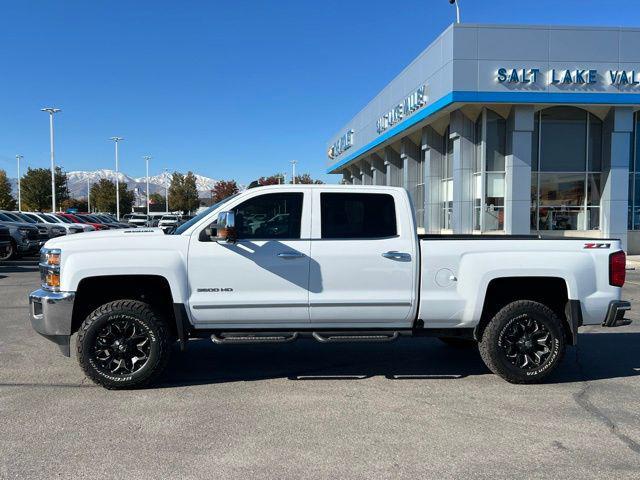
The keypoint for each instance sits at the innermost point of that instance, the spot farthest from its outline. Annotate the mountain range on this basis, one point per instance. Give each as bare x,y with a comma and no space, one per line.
77,182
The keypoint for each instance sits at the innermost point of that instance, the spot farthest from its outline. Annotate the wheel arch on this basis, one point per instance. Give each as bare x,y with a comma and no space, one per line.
549,290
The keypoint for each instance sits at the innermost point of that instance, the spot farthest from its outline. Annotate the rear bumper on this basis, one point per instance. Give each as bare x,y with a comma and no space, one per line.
51,316
615,314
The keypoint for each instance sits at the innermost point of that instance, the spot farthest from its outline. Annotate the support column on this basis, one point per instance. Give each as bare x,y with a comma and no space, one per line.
410,156
462,134
433,147
517,208
346,176
378,170
356,176
618,129
394,167
365,173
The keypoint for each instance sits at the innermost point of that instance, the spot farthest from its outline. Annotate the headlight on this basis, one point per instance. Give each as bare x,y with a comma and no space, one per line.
24,231
50,268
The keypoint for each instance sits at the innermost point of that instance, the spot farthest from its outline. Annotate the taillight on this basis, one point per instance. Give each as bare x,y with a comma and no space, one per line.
617,266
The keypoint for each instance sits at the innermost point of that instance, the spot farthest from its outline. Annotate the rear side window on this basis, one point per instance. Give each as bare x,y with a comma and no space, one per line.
357,215
273,215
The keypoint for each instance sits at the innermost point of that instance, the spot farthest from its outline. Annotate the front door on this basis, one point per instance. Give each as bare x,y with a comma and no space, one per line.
363,267
264,277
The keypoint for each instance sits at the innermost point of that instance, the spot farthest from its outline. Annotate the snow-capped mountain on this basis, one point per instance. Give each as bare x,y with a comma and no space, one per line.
77,182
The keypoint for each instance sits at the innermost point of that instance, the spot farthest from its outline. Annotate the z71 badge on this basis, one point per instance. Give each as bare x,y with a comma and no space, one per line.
597,245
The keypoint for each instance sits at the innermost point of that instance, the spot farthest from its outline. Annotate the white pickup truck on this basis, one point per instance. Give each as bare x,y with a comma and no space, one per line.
334,263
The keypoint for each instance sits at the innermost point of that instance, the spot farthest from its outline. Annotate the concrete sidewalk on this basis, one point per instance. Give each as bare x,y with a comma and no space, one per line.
633,262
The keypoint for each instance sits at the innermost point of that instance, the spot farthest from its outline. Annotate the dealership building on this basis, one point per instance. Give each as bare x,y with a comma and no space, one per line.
509,130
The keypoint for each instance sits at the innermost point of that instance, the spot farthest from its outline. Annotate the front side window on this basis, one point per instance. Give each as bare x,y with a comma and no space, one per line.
446,184
270,216
357,215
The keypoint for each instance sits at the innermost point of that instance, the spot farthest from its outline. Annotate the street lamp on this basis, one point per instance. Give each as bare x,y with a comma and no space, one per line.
88,195
116,140
166,193
455,2
51,111
19,157
146,159
293,171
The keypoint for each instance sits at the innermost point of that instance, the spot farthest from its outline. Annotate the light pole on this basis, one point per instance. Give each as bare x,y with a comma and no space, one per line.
88,195
146,159
166,194
293,171
19,157
51,111
455,2
116,140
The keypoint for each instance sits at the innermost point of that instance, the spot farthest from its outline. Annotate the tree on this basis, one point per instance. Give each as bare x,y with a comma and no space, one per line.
183,192
275,179
36,188
156,202
7,202
223,189
305,178
103,196
74,203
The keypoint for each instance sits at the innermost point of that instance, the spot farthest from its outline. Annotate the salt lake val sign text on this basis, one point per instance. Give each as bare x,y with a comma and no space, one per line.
567,76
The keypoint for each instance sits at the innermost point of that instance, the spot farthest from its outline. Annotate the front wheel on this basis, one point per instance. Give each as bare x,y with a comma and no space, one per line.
9,253
523,342
123,344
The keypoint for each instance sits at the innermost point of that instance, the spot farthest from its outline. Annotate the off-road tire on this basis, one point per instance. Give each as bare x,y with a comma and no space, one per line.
458,342
492,345
147,321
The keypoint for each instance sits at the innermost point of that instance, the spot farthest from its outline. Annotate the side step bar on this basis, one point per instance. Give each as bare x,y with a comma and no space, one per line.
240,338
339,337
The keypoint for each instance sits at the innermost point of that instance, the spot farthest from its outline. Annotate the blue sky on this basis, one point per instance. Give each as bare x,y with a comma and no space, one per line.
229,89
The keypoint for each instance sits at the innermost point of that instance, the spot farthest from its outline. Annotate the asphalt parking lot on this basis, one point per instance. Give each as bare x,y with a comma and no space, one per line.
410,409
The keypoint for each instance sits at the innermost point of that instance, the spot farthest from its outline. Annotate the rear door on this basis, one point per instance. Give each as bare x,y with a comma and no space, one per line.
363,258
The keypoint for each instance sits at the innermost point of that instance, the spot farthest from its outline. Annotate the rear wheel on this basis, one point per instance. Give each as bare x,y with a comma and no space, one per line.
123,344
523,342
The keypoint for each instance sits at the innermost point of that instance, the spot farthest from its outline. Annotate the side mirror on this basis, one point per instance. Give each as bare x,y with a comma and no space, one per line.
226,228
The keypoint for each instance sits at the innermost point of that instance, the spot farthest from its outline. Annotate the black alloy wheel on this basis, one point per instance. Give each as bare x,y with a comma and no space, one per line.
526,342
121,347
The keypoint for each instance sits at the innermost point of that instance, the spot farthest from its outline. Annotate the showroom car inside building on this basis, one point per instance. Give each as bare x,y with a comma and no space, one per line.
509,130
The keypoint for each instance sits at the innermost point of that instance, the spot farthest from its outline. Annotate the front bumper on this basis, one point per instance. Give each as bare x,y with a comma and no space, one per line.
30,246
615,314
51,316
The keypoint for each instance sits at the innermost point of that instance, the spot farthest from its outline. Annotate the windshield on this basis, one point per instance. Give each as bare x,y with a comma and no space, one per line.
50,218
5,218
17,218
168,217
63,219
33,217
185,226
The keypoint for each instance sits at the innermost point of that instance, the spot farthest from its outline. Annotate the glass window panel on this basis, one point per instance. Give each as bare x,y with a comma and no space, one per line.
448,170
534,201
496,142
495,185
636,153
593,218
594,189
561,218
273,215
534,142
636,196
477,186
563,139
357,215
562,190
478,159
595,144
493,218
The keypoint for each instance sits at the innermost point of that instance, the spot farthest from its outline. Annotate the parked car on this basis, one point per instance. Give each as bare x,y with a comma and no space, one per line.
138,219
64,220
51,231
78,219
5,240
110,221
54,221
25,238
330,262
168,221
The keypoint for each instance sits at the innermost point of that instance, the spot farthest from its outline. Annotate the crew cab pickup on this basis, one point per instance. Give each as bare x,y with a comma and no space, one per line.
334,263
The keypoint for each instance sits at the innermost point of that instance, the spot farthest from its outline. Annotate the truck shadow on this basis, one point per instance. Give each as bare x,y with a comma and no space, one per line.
600,356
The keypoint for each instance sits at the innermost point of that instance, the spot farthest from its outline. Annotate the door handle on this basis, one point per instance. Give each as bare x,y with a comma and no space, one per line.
291,255
400,256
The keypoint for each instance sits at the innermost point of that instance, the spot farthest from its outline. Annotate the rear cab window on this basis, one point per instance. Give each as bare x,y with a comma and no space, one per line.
357,215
